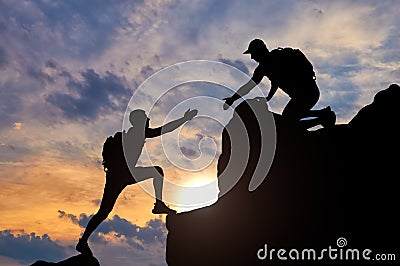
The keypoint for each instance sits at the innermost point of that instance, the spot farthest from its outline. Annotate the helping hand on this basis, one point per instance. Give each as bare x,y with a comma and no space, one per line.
228,102
189,114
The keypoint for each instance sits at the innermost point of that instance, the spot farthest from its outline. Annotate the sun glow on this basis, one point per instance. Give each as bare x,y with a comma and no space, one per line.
197,193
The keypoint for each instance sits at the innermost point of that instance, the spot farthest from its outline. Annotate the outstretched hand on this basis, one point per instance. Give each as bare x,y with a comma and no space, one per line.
228,102
189,114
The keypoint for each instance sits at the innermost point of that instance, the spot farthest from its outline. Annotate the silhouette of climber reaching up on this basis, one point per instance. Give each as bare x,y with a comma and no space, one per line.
121,170
289,70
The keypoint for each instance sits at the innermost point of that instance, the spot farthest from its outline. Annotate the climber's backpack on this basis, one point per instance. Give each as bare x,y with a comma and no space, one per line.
113,153
294,61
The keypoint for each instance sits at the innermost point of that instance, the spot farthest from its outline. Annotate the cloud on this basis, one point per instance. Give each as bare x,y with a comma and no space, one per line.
139,237
73,218
10,262
81,28
29,247
3,57
189,152
92,96
13,152
237,63
131,243
136,39
96,201
39,37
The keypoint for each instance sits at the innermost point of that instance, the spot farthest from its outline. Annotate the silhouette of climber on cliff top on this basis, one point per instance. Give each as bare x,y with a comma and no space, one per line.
119,174
289,70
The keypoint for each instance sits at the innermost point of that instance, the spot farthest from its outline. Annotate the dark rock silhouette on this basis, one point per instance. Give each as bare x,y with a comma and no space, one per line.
322,185
78,260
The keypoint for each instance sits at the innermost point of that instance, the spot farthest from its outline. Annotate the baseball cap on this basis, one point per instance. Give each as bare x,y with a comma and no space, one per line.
255,45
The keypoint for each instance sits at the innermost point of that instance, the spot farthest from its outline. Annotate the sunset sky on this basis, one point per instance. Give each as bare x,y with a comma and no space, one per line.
70,70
